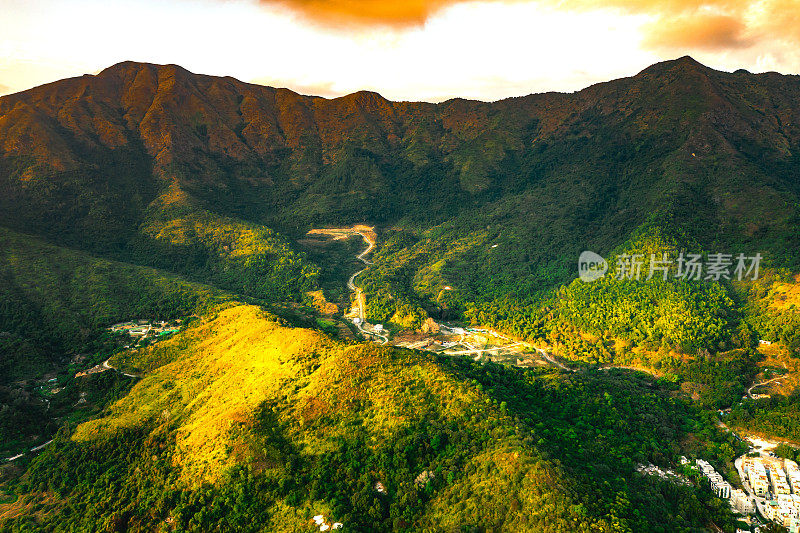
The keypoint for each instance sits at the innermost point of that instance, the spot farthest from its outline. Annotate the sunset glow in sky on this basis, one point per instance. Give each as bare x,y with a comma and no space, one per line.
413,50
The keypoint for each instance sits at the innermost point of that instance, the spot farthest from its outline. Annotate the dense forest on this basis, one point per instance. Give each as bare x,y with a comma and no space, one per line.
147,191
560,449
777,416
214,179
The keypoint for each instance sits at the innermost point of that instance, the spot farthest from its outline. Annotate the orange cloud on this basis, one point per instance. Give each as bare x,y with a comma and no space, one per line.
366,12
676,24
708,24
711,32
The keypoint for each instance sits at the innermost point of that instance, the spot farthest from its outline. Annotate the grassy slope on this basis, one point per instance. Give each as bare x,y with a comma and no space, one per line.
224,369
178,234
291,424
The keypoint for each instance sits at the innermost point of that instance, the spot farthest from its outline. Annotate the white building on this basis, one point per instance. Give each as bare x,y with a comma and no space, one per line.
719,486
741,502
757,475
778,480
793,473
771,510
723,489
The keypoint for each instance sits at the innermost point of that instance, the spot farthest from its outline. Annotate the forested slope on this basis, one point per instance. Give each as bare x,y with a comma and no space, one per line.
242,424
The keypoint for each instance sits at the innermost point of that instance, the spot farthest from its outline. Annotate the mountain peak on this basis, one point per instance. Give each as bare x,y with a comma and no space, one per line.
364,97
688,60
685,64
128,65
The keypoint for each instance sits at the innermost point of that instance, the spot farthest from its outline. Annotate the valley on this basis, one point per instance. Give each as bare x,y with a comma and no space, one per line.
226,306
437,337
486,345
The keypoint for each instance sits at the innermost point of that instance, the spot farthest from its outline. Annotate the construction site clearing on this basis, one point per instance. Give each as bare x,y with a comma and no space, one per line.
481,345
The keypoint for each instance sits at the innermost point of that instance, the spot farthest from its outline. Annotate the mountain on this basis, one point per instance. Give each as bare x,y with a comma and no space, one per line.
91,160
126,162
272,156
149,192
242,424
216,180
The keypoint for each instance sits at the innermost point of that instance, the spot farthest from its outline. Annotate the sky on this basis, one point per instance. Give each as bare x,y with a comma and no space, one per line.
409,50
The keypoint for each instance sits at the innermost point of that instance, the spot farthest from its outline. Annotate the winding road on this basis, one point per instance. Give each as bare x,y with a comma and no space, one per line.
359,301
359,296
32,450
549,358
351,283
482,350
361,257
754,385
109,367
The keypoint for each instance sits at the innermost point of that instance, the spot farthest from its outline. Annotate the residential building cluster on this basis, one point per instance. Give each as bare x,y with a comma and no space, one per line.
785,510
719,486
739,500
141,328
778,482
772,476
664,473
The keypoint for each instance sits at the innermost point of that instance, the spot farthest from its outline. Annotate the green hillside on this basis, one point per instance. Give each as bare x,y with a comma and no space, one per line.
57,299
149,192
55,306
242,424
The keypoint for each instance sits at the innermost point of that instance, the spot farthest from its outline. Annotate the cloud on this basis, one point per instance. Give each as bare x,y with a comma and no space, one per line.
4,89
365,12
705,32
709,24
673,24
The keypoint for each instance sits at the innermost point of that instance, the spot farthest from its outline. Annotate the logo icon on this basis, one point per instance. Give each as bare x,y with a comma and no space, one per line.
591,266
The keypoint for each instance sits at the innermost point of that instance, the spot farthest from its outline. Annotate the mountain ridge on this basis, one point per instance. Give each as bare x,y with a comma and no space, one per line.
481,211
125,154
